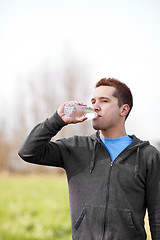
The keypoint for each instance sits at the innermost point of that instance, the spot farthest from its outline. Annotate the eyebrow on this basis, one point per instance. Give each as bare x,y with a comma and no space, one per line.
102,98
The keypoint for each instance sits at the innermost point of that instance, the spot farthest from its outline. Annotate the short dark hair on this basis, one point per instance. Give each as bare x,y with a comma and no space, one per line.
122,92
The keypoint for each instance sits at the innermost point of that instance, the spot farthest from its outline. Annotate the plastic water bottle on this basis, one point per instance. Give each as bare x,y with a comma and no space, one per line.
77,111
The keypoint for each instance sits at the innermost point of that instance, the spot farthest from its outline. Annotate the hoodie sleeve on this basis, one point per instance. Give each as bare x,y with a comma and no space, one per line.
37,147
153,193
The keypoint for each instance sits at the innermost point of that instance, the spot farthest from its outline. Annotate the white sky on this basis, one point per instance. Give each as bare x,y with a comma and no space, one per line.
118,38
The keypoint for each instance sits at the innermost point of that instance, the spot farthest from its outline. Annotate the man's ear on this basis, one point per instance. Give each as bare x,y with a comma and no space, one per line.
124,109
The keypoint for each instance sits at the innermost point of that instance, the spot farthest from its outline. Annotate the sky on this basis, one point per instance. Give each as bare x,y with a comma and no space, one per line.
116,38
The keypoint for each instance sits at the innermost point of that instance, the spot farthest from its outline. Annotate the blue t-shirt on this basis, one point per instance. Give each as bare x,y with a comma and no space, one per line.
116,145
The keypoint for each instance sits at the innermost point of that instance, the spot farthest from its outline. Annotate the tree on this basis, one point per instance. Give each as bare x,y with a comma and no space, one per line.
41,92
4,152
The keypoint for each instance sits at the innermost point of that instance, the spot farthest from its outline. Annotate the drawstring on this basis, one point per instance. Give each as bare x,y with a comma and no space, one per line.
137,163
93,157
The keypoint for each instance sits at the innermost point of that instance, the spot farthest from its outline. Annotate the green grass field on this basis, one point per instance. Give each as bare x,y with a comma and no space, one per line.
34,208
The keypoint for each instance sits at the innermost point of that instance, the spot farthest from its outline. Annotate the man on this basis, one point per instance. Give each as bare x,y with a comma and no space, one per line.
113,178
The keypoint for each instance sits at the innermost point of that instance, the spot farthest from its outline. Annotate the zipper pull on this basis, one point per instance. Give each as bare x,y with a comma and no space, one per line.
111,164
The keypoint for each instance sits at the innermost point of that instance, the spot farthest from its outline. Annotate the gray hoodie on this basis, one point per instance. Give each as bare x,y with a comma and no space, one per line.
108,200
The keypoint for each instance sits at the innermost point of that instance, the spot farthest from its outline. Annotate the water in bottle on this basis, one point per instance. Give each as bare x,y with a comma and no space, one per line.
78,111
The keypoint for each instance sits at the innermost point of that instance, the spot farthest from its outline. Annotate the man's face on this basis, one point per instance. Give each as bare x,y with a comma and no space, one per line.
106,106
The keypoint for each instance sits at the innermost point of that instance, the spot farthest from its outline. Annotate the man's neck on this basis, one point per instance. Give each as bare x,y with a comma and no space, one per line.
112,133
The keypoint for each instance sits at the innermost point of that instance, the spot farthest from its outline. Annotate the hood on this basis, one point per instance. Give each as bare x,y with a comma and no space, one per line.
136,145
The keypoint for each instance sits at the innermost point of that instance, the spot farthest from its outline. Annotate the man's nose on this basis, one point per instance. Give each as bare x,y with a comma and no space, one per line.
96,107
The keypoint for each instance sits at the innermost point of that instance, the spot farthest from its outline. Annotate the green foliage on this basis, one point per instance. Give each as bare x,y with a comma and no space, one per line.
34,208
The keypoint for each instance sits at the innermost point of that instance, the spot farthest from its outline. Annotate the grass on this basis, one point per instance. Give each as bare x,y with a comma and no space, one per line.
35,208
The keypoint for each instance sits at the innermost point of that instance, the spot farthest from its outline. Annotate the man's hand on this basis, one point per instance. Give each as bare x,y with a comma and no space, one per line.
68,119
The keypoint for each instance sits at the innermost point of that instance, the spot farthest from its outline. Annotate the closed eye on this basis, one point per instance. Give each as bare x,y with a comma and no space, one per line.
93,101
101,99
105,99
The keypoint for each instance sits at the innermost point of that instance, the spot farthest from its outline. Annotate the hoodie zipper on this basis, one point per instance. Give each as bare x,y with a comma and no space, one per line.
107,201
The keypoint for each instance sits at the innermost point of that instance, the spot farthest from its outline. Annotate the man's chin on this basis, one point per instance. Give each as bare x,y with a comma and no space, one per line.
96,127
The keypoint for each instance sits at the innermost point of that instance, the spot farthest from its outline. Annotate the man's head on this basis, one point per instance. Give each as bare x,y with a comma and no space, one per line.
122,92
112,100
